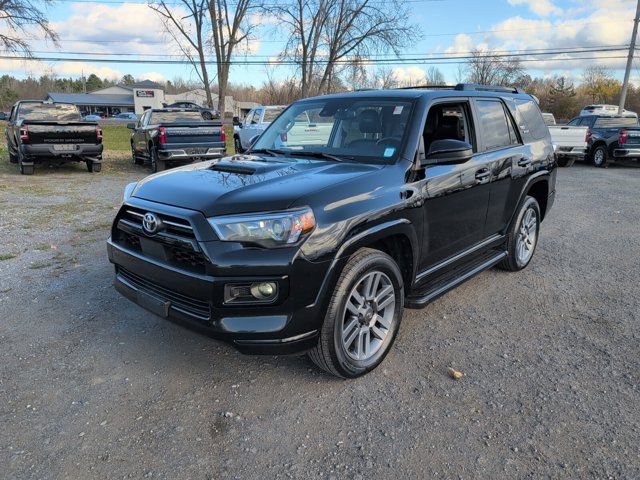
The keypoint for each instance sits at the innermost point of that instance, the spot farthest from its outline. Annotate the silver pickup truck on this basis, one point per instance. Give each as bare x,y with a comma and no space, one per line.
570,143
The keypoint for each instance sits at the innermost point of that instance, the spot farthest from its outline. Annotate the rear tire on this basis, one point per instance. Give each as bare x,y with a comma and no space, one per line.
522,238
363,316
566,161
157,165
26,169
600,157
237,145
94,167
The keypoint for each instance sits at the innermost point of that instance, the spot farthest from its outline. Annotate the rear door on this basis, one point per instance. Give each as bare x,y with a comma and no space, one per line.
502,151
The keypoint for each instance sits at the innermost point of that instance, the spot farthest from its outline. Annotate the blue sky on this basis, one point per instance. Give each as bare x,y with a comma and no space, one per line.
448,26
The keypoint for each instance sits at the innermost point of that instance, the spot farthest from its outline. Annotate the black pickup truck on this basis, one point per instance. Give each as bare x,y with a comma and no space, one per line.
176,136
317,239
48,132
610,138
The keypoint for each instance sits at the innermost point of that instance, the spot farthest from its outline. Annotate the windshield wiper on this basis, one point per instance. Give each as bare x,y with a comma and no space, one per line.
273,153
303,153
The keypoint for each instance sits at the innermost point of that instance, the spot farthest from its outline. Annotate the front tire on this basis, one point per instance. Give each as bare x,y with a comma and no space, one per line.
522,238
363,316
600,157
207,116
13,158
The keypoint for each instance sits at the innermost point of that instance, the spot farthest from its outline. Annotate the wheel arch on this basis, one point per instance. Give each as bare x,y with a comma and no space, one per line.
397,238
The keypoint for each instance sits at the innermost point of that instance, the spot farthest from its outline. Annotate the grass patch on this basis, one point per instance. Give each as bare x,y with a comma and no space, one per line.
39,265
116,138
7,256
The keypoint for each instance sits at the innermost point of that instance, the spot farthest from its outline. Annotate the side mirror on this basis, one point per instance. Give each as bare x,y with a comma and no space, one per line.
445,152
131,126
253,140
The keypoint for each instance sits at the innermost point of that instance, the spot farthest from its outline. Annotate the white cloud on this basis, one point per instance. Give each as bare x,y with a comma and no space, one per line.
600,22
410,75
544,8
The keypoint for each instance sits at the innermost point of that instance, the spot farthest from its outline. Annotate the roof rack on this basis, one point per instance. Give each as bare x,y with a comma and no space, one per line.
467,87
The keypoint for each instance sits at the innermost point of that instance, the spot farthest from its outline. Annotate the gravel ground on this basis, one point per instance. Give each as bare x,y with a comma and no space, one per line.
92,386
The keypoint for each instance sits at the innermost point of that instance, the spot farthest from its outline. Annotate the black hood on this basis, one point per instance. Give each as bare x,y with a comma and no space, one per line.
244,183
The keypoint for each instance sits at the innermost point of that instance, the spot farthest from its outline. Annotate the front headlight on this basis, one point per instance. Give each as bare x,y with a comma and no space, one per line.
128,191
268,230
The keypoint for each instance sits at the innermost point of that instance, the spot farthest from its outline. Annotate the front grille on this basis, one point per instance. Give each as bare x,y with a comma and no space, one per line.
182,303
175,244
173,225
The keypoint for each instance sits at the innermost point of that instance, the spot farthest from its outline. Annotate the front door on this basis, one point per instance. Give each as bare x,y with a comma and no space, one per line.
456,196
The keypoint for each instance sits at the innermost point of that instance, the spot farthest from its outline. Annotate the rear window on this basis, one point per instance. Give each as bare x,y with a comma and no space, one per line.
49,112
175,117
530,120
493,123
270,114
613,122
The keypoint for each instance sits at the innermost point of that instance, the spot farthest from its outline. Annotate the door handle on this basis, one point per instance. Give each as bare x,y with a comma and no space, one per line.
483,174
524,162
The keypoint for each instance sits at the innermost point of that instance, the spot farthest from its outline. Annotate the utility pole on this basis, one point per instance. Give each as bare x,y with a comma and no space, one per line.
627,73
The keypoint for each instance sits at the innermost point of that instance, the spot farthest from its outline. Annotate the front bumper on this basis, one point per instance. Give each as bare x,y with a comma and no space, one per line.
290,325
80,151
626,153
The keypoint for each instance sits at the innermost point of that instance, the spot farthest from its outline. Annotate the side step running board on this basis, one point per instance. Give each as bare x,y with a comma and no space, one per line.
421,297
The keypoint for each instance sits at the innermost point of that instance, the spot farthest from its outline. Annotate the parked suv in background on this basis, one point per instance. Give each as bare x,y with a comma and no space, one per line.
256,121
318,246
610,137
207,113
605,110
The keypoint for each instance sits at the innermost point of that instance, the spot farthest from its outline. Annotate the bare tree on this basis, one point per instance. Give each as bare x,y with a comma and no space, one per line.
325,35
231,26
434,76
490,69
190,33
16,18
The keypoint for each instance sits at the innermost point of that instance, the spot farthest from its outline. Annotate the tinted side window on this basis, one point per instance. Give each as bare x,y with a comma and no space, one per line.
494,128
531,121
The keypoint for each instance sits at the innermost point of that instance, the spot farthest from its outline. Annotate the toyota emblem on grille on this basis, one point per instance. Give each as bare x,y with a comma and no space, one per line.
151,223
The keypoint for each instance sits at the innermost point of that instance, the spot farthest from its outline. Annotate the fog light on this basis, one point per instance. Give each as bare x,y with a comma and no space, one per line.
263,290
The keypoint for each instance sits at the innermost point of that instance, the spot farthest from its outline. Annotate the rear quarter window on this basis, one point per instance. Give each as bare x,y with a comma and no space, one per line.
530,121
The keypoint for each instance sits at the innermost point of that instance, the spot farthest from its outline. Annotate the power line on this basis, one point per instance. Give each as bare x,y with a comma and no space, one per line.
434,60
533,51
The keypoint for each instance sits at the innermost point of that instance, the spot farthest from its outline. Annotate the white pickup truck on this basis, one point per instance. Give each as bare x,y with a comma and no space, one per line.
570,143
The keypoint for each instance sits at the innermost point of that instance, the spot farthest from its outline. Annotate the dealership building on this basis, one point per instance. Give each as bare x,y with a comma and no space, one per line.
139,97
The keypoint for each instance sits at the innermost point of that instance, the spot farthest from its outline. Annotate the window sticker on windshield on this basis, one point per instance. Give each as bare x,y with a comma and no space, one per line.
389,151
397,109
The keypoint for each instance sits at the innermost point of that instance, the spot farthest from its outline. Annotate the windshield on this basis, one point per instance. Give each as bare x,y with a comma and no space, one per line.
175,117
369,130
49,112
614,122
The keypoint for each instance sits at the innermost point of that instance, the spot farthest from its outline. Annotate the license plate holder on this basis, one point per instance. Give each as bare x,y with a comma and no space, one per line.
63,147
153,304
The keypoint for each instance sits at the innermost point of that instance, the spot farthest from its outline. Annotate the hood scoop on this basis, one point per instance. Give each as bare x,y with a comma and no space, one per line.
233,167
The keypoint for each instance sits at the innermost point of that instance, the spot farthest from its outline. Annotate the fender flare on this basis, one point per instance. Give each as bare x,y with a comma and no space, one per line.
537,177
400,226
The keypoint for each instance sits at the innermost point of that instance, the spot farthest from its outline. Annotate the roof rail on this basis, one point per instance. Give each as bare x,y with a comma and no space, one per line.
467,87
487,88
428,87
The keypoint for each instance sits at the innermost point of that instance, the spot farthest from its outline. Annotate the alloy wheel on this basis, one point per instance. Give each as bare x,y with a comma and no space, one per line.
368,316
527,236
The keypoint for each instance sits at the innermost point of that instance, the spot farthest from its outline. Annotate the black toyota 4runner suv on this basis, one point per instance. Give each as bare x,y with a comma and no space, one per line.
346,210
